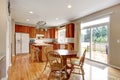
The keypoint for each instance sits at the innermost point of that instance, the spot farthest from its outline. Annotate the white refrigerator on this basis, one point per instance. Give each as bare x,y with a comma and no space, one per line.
22,43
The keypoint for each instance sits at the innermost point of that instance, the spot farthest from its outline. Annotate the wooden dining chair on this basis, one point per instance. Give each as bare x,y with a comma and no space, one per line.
77,65
46,50
58,70
70,47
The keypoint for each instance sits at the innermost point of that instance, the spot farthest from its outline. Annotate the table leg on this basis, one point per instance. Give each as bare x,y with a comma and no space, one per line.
67,67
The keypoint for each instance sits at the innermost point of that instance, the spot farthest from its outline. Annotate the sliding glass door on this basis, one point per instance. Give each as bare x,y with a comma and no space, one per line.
99,43
85,38
95,38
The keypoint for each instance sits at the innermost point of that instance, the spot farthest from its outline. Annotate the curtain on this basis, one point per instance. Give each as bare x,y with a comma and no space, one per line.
77,39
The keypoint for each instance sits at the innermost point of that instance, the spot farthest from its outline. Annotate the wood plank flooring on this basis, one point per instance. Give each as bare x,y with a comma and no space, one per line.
23,69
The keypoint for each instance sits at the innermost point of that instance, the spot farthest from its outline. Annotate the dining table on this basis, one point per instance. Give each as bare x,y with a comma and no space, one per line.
65,55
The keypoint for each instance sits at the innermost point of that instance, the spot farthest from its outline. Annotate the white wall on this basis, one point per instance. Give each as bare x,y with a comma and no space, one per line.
4,32
3,27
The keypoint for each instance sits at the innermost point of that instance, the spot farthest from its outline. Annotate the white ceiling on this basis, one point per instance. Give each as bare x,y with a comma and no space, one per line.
49,10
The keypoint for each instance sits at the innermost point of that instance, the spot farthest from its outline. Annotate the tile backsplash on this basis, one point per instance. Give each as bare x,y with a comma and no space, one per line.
69,40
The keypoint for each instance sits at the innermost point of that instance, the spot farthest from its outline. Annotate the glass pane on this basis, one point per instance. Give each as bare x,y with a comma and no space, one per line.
62,35
99,44
85,41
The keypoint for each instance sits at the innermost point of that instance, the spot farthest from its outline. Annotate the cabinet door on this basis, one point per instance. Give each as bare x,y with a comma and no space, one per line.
52,33
32,32
25,29
17,28
21,28
70,30
67,31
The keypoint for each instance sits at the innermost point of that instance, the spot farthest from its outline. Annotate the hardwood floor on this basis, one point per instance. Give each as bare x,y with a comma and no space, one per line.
23,69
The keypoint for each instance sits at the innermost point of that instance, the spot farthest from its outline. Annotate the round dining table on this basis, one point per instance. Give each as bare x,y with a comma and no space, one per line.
66,54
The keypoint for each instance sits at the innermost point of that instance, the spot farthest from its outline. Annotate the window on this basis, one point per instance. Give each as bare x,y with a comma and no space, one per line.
62,35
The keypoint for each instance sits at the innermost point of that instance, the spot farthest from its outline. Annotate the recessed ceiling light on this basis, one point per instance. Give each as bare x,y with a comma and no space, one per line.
27,19
69,6
56,18
31,12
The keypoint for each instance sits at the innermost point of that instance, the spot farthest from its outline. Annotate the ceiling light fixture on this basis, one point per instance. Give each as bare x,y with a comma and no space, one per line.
69,6
31,12
40,24
56,18
27,19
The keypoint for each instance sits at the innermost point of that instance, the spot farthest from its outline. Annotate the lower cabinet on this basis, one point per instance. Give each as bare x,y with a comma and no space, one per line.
43,51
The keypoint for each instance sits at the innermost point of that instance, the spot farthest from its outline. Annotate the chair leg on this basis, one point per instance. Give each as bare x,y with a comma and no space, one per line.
66,73
45,66
82,76
60,75
82,72
49,76
72,67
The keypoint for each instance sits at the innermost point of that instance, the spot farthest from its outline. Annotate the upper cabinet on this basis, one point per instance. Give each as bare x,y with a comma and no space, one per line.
40,31
52,32
21,28
32,32
48,33
70,30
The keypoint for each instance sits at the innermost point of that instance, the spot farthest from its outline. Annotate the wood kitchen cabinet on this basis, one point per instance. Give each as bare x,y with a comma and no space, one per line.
21,29
39,31
52,32
32,32
70,30
48,33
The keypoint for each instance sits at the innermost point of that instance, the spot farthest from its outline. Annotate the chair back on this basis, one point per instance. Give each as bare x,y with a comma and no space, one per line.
54,59
82,59
46,50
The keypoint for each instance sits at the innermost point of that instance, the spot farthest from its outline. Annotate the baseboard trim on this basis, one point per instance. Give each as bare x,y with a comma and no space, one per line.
114,66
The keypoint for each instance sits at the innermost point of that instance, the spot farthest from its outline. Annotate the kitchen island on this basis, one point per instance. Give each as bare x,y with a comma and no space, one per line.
41,47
